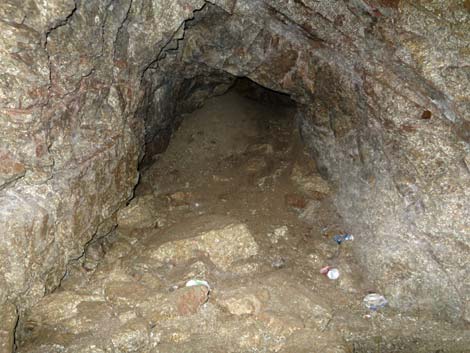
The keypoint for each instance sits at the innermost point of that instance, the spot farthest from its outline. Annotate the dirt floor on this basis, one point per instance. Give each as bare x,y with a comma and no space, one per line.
235,201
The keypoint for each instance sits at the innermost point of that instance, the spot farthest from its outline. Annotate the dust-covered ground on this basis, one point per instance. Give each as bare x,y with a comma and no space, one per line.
235,201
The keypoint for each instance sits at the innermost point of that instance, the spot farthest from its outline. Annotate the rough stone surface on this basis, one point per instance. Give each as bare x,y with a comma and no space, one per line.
85,85
10,169
69,92
189,299
130,302
222,239
382,111
8,320
140,213
244,301
311,184
126,305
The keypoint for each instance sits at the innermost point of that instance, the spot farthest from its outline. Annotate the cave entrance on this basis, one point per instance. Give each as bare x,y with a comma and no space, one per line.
233,204
245,139
227,246
230,243
230,122
239,155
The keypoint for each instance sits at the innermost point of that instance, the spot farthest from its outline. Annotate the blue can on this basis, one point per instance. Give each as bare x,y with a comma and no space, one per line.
339,238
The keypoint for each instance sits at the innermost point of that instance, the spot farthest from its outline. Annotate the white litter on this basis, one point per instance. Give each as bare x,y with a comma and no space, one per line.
333,273
374,301
198,282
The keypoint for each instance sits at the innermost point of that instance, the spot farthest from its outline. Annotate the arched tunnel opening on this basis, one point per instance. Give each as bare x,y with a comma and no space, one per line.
233,176
159,134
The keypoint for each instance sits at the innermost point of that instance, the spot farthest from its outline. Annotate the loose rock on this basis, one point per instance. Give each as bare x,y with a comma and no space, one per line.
139,214
189,299
244,301
222,239
278,234
295,201
311,184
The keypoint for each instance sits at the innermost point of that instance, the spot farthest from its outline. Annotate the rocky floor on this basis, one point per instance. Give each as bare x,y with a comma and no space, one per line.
235,204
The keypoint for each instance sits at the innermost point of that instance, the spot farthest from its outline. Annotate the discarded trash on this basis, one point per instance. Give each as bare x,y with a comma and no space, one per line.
198,282
339,238
324,270
330,272
333,273
374,301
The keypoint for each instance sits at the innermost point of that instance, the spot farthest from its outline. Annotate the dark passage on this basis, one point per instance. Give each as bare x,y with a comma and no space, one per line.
221,250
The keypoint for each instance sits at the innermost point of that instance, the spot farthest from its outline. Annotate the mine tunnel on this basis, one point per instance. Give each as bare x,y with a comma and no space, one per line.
234,176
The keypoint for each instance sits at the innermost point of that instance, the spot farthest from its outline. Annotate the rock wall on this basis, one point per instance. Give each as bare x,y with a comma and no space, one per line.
69,137
382,88
381,106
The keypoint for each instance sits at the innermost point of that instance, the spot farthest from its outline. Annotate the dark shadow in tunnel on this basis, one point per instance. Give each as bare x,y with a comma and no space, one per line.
186,102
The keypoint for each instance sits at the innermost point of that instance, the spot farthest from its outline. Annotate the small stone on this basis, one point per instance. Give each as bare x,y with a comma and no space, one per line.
119,248
249,305
314,257
256,165
180,198
281,232
244,301
139,214
278,234
189,299
309,183
295,201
